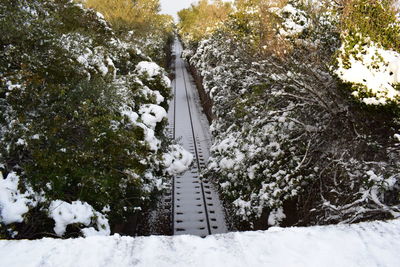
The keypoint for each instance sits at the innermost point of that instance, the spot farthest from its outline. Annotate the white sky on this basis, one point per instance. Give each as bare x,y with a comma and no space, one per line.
171,7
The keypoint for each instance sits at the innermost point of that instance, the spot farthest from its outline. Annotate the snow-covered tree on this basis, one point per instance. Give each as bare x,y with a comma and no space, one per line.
82,122
290,146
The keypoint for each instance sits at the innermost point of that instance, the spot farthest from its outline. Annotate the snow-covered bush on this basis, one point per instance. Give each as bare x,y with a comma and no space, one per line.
373,71
369,58
257,154
14,204
294,20
64,214
289,146
139,22
82,121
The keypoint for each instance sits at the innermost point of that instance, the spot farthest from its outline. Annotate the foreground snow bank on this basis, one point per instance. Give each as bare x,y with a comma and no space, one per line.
364,244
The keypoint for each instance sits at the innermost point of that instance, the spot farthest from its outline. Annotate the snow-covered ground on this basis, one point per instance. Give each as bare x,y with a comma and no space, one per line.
364,244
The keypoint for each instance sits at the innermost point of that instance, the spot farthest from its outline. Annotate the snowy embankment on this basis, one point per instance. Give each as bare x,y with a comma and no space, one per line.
364,244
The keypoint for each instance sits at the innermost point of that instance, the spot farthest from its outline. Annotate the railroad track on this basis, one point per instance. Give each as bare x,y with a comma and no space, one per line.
196,208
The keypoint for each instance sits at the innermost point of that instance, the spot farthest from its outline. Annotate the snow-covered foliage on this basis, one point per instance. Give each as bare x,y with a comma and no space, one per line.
289,146
138,22
276,217
294,20
177,160
373,71
369,58
152,70
255,154
13,203
82,122
64,213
